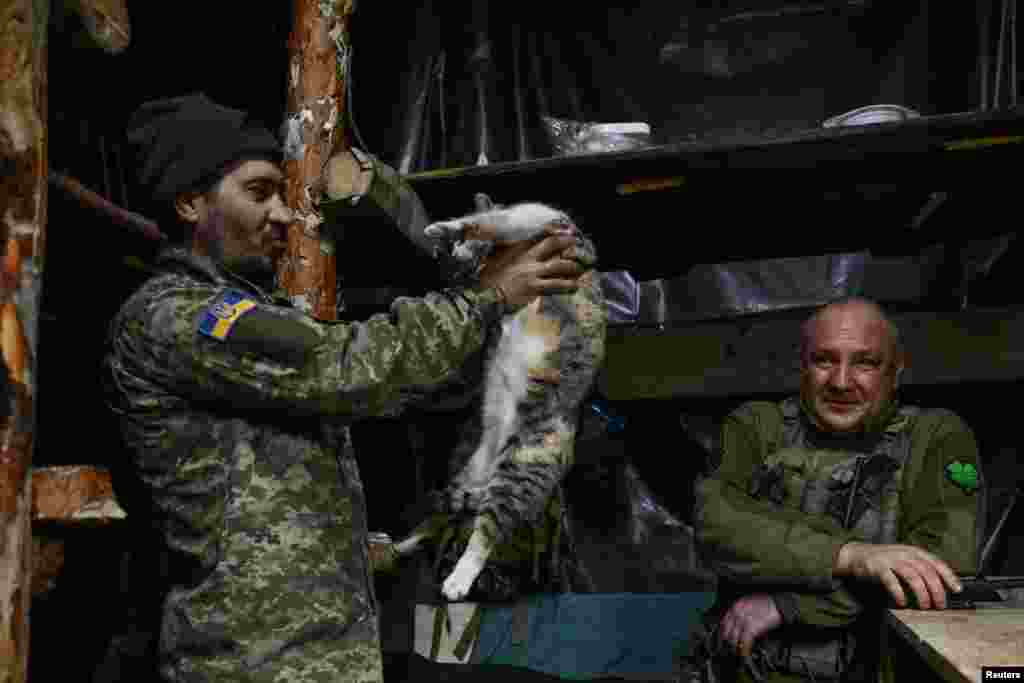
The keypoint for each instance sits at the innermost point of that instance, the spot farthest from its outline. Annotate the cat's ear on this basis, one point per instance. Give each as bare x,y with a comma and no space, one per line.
483,202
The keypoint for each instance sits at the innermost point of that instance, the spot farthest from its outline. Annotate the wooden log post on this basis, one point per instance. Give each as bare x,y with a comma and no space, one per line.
23,172
318,50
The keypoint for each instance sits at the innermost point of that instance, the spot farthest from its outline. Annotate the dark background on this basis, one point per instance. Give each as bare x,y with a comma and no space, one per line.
595,65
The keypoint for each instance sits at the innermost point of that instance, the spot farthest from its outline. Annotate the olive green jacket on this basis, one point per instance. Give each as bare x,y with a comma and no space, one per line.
753,542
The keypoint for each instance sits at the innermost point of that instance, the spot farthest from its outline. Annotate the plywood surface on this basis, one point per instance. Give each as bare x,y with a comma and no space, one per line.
959,642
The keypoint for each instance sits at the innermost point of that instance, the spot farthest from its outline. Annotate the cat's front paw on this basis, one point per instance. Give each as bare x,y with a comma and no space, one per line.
451,231
471,252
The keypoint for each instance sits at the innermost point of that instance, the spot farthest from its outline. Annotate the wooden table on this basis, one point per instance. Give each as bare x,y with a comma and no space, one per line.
957,643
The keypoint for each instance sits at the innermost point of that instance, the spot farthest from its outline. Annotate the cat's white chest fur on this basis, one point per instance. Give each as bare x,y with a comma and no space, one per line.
507,380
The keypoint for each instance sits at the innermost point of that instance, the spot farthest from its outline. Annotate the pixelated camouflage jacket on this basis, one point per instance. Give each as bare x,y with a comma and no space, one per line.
258,498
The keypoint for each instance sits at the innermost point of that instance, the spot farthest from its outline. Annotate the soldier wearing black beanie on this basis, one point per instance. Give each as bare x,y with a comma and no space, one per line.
235,409
185,143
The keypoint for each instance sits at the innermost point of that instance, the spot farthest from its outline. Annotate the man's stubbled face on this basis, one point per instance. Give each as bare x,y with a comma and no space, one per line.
849,368
243,220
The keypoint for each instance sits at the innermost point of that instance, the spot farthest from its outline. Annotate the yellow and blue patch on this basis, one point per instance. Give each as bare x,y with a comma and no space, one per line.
223,313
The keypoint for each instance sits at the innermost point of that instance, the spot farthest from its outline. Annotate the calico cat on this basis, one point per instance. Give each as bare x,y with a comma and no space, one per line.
540,366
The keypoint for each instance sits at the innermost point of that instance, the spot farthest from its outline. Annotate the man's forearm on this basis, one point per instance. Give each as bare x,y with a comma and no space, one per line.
750,541
838,608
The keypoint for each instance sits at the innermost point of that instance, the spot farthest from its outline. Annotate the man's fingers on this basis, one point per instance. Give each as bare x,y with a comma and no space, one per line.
892,584
478,231
746,643
925,582
550,246
558,229
562,267
947,575
914,575
558,286
933,580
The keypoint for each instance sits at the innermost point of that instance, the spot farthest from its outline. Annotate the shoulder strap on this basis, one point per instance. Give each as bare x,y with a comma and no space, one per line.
771,422
790,428
922,421
898,434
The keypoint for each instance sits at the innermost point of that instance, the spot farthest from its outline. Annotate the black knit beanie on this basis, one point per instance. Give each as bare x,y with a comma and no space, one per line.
185,143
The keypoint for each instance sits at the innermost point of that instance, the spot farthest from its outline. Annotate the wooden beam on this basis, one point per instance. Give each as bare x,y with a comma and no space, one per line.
66,500
23,29
760,354
74,495
316,109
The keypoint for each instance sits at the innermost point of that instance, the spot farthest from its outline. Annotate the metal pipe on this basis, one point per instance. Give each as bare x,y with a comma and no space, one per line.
481,63
1003,20
537,74
442,104
793,10
984,58
412,129
990,544
1013,53
522,150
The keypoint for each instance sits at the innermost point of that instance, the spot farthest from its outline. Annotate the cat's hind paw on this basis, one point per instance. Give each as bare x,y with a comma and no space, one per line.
460,581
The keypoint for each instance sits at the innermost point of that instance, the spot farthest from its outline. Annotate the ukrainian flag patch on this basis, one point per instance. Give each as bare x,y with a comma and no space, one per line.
223,313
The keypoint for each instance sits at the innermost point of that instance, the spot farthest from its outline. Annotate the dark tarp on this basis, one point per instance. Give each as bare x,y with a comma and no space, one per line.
455,83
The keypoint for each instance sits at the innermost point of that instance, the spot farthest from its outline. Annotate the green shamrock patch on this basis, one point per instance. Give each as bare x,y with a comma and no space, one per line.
963,475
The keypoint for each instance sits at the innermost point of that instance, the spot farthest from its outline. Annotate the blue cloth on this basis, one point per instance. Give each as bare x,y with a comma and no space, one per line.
578,635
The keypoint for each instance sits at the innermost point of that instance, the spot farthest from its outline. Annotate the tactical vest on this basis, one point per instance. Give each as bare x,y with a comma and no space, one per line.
860,489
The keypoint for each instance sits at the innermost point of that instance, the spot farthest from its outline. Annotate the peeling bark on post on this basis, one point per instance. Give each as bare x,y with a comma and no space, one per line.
23,171
318,48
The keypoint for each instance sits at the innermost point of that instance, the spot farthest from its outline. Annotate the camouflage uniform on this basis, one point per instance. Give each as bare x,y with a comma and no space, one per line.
787,497
256,498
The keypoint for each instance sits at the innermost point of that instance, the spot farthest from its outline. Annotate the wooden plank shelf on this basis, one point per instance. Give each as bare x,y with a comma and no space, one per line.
657,211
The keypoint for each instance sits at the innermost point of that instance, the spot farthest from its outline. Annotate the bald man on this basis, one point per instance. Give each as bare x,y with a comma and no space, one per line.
833,504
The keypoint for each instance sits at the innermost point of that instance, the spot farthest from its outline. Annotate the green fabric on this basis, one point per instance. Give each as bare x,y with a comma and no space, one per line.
752,541
267,332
